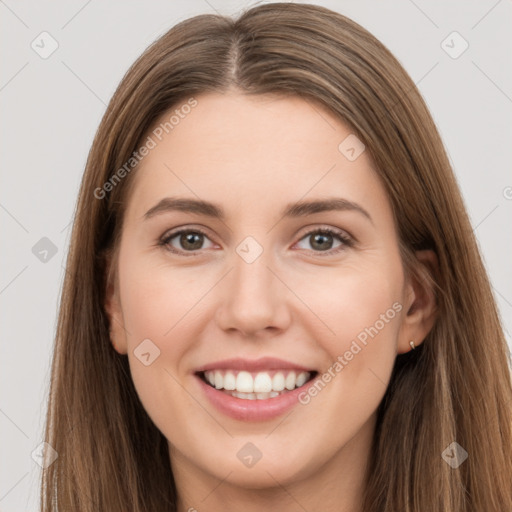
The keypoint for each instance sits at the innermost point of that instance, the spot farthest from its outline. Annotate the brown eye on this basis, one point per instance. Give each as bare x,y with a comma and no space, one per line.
323,240
191,241
186,240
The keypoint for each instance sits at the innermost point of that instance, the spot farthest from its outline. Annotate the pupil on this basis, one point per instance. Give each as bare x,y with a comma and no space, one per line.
318,239
187,241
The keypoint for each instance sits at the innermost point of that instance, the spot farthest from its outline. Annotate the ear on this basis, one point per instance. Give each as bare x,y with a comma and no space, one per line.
115,313
420,302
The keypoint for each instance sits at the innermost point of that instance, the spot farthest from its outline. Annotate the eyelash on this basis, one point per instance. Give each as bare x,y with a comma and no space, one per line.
345,239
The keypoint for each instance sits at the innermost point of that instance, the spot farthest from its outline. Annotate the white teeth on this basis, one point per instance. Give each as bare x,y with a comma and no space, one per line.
247,396
301,379
244,382
263,383
254,396
257,385
278,382
229,381
289,383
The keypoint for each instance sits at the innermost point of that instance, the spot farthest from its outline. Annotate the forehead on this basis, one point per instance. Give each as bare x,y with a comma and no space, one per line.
252,153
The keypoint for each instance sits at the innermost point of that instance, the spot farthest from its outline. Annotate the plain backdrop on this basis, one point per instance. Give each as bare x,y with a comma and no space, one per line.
52,106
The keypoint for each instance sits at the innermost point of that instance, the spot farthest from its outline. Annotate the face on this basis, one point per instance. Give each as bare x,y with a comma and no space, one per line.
260,288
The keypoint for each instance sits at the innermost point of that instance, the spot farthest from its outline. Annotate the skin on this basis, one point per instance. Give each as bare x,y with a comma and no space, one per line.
253,156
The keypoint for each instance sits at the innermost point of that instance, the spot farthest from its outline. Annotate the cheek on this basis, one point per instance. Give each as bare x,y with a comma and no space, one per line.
158,311
155,300
361,312
352,301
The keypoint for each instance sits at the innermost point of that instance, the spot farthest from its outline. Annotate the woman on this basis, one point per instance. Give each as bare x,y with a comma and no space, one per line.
274,296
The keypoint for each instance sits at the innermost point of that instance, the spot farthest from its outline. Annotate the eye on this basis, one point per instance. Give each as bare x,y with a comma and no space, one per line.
185,240
322,240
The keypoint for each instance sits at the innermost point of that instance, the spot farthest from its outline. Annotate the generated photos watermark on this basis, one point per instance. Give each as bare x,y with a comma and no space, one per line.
357,345
151,142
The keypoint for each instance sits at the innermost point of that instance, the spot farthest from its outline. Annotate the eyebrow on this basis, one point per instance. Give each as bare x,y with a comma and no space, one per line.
293,210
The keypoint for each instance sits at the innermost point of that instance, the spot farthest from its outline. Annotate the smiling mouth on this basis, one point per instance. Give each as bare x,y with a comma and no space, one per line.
256,385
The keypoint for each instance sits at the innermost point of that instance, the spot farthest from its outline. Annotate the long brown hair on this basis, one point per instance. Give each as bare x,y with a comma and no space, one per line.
455,387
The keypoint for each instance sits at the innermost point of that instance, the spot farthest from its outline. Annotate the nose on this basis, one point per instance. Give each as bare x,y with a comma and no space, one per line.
253,299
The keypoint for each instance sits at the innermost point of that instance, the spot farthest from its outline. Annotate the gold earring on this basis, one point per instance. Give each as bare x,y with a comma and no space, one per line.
412,345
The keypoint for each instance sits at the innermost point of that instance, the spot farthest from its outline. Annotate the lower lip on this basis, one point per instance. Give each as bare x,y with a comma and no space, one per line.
252,410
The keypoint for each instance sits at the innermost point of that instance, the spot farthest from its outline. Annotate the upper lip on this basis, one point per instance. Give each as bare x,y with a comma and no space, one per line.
252,365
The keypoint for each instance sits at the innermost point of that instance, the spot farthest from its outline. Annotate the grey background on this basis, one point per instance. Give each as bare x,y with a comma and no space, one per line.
52,107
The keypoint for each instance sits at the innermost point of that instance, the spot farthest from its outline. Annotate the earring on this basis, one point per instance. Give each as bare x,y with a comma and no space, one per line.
412,345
